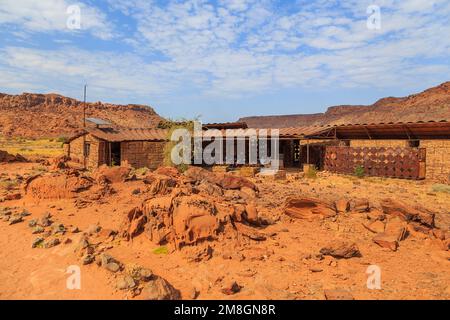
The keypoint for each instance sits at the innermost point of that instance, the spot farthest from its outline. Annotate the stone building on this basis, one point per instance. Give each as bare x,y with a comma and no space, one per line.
111,146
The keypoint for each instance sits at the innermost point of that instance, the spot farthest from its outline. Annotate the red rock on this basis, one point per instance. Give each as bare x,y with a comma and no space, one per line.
167,171
342,205
376,214
13,196
308,208
231,288
397,228
407,213
360,206
252,214
439,234
341,250
112,174
338,295
386,241
375,227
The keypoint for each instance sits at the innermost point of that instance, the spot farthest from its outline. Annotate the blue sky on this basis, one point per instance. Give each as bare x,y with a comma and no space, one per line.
225,59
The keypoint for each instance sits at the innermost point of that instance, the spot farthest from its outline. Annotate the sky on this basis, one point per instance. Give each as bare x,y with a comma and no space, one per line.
224,59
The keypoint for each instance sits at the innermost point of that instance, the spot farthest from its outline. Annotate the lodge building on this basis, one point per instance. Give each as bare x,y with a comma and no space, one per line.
412,150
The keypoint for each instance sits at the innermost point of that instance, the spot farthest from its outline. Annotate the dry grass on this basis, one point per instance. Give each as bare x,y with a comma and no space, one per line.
28,147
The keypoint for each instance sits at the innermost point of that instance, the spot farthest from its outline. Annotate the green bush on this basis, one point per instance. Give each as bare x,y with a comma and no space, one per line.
311,173
359,171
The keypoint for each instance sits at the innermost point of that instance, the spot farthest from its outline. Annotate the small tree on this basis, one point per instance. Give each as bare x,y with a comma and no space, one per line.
359,171
172,126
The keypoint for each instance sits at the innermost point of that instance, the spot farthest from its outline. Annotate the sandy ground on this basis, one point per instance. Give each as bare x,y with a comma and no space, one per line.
284,266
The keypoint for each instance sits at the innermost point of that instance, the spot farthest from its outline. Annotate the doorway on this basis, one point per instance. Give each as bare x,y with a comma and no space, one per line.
115,154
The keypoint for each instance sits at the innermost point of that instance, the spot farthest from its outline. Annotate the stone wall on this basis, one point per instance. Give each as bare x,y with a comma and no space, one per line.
140,154
438,160
75,151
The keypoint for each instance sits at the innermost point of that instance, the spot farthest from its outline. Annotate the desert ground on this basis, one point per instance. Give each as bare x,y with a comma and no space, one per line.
137,234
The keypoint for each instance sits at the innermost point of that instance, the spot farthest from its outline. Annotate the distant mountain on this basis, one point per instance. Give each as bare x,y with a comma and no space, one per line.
52,115
432,104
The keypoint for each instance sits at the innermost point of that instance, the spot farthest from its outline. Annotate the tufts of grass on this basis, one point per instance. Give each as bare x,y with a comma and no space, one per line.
311,173
32,147
8,184
445,188
161,250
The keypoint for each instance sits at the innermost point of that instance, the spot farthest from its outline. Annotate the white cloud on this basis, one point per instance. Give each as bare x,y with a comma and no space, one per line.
241,47
52,16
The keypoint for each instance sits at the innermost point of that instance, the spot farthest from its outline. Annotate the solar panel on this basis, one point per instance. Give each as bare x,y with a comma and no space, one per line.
98,121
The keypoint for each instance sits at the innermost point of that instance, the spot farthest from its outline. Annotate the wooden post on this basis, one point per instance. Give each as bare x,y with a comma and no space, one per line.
307,151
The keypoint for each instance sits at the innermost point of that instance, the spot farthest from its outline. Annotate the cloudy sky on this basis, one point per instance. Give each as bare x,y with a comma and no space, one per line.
224,59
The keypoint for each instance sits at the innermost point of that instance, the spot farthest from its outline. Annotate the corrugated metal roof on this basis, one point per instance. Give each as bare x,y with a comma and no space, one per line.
401,130
118,135
226,125
298,132
98,121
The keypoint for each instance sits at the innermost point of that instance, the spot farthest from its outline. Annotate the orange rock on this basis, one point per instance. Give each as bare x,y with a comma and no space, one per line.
408,213
308,208
386,241
112,174
375,227
342,205
338,295
168,171
341,249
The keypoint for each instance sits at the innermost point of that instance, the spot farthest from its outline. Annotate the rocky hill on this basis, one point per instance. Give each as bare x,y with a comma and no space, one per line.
52,115
432,104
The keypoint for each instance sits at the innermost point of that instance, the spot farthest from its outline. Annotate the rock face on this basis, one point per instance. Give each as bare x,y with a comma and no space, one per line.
190,209
52,115
57,186
432,104
160,289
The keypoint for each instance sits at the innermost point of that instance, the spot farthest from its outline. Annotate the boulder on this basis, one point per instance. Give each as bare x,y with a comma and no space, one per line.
125,283
308,208
111,174
160,184
407,213
341,250
386,241
57,186
160,289
167,171
360,205
342,205
230,288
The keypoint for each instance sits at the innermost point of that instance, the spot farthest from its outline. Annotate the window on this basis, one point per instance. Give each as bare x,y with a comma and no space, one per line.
87,149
